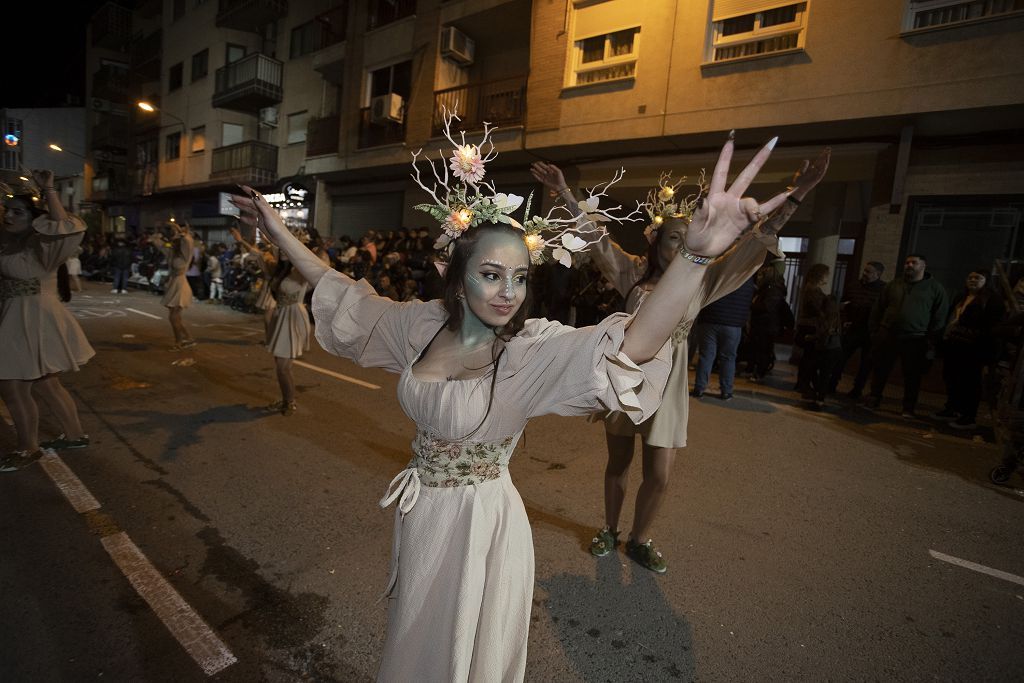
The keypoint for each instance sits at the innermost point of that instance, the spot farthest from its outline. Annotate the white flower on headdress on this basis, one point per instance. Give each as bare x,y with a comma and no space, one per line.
458,221
535,245
467,165
507,202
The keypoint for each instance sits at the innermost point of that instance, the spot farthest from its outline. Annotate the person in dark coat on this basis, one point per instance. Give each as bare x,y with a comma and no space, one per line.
968,345
719,329
812,299
857,303
120,266
770,314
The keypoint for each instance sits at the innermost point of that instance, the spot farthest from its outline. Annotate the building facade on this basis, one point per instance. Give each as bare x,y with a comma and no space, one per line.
45,137
323,101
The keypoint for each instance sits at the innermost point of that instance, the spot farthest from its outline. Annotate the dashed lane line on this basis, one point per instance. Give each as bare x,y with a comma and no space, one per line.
148,315
336,375
188,628
980,568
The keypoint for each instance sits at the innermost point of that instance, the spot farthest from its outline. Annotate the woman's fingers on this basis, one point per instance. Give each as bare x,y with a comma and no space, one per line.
751,209
747,175
721,173
773,203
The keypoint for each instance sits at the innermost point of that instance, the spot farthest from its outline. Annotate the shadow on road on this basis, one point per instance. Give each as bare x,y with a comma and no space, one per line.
614,630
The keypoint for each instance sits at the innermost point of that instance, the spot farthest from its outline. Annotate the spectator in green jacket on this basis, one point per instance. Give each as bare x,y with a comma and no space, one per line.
906,321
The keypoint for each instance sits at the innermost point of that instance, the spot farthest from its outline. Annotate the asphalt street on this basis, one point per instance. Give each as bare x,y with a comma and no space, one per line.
834,546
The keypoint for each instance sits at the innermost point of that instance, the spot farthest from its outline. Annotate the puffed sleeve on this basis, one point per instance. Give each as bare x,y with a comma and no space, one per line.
620,268
353,322
56,241
567,371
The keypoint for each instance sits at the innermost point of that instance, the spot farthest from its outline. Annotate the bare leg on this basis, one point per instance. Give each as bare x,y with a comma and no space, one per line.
180,333
285,379
616,476
76,284
268,314
657,469
60,402
17,394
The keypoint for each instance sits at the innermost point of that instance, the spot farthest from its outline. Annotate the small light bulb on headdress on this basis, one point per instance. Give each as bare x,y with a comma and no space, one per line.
658,220
666,193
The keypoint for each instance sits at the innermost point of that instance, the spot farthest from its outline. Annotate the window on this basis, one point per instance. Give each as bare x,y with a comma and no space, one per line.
384,12
198,139
10,160
297,126
608,57
739,33
200,64
396,78
231,134
924,14
172,150
233,53
175,77
178,10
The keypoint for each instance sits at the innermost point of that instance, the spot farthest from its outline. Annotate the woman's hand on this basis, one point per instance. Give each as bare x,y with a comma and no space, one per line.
549,175
43,178
236,234
810,174
725,214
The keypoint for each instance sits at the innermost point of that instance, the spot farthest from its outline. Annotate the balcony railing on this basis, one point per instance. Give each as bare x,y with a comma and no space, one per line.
249,15
247,162
145,179
110,133
322,136
376,134
383,12
111,27
249,84
501,102
110,84
109,185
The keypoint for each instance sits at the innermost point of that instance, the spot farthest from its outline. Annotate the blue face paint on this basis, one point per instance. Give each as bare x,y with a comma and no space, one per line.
495,280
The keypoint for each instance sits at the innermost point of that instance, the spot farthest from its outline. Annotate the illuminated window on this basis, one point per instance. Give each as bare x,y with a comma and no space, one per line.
742,29
198,139
925,14
607,57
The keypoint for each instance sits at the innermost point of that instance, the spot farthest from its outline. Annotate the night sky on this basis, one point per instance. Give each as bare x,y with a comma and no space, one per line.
44,52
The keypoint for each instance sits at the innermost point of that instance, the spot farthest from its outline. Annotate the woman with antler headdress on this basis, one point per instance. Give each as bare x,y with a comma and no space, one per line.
672,217
474,370
175,241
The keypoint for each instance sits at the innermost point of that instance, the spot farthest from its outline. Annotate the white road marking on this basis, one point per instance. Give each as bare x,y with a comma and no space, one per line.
337,375
974,566
148,315
195,635
70,485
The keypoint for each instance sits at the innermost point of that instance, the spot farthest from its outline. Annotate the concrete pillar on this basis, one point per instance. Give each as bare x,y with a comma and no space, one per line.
322,209
826,221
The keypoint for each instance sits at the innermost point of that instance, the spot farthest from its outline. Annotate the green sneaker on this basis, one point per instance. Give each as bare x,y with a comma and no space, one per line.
62,443
19,459
604,542
646,556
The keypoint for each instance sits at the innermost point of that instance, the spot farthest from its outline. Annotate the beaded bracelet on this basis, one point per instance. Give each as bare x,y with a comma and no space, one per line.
696,258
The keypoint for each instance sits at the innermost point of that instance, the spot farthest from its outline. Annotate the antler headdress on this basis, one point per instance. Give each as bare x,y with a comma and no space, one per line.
664,202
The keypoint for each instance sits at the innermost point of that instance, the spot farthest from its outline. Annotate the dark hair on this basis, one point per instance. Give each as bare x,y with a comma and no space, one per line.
917,256
282,270
654,268
457,264
63,283
877,265
815,274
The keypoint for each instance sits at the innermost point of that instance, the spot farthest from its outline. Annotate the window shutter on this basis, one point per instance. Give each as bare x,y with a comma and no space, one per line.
726,9
602,18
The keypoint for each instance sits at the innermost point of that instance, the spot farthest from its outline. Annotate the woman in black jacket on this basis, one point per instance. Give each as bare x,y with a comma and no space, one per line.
769,315
968,345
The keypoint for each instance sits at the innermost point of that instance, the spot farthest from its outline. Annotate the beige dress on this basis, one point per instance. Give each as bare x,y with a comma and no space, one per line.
462,563
667,428
288,332
178,292
40,336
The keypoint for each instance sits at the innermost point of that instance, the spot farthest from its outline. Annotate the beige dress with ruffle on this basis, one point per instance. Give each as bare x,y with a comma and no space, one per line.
178,292
40,336
667,428
288,332
462,563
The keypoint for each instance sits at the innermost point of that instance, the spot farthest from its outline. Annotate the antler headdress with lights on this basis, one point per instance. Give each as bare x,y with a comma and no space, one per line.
664,202
463,200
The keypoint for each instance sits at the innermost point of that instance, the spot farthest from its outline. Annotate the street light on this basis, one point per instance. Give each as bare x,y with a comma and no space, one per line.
58,148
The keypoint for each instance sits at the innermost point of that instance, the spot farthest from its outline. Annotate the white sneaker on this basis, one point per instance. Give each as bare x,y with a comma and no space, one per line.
124,291
113,291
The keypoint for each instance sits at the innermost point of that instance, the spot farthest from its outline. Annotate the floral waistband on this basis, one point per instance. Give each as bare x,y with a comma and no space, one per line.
459,463
11,288
287,299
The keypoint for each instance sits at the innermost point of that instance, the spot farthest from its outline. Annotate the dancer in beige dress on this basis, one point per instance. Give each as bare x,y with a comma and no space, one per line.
40,336
267,260
635,277
177,292
473,370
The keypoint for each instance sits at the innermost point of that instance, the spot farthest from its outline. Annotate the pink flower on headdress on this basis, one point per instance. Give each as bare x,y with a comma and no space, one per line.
458,221
467,165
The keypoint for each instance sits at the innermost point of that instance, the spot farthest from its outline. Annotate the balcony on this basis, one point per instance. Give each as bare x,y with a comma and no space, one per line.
111,27
144,56
384,12
249,15
501,102
252,162
110,84
145,179
111,133
322,136
249,84
109,186
376,134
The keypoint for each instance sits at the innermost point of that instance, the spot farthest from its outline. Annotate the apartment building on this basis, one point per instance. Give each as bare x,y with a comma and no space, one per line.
45,137
921,100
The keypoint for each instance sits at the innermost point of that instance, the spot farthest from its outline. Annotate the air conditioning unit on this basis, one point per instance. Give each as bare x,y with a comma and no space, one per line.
387,108
457,46
100,104
268,117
